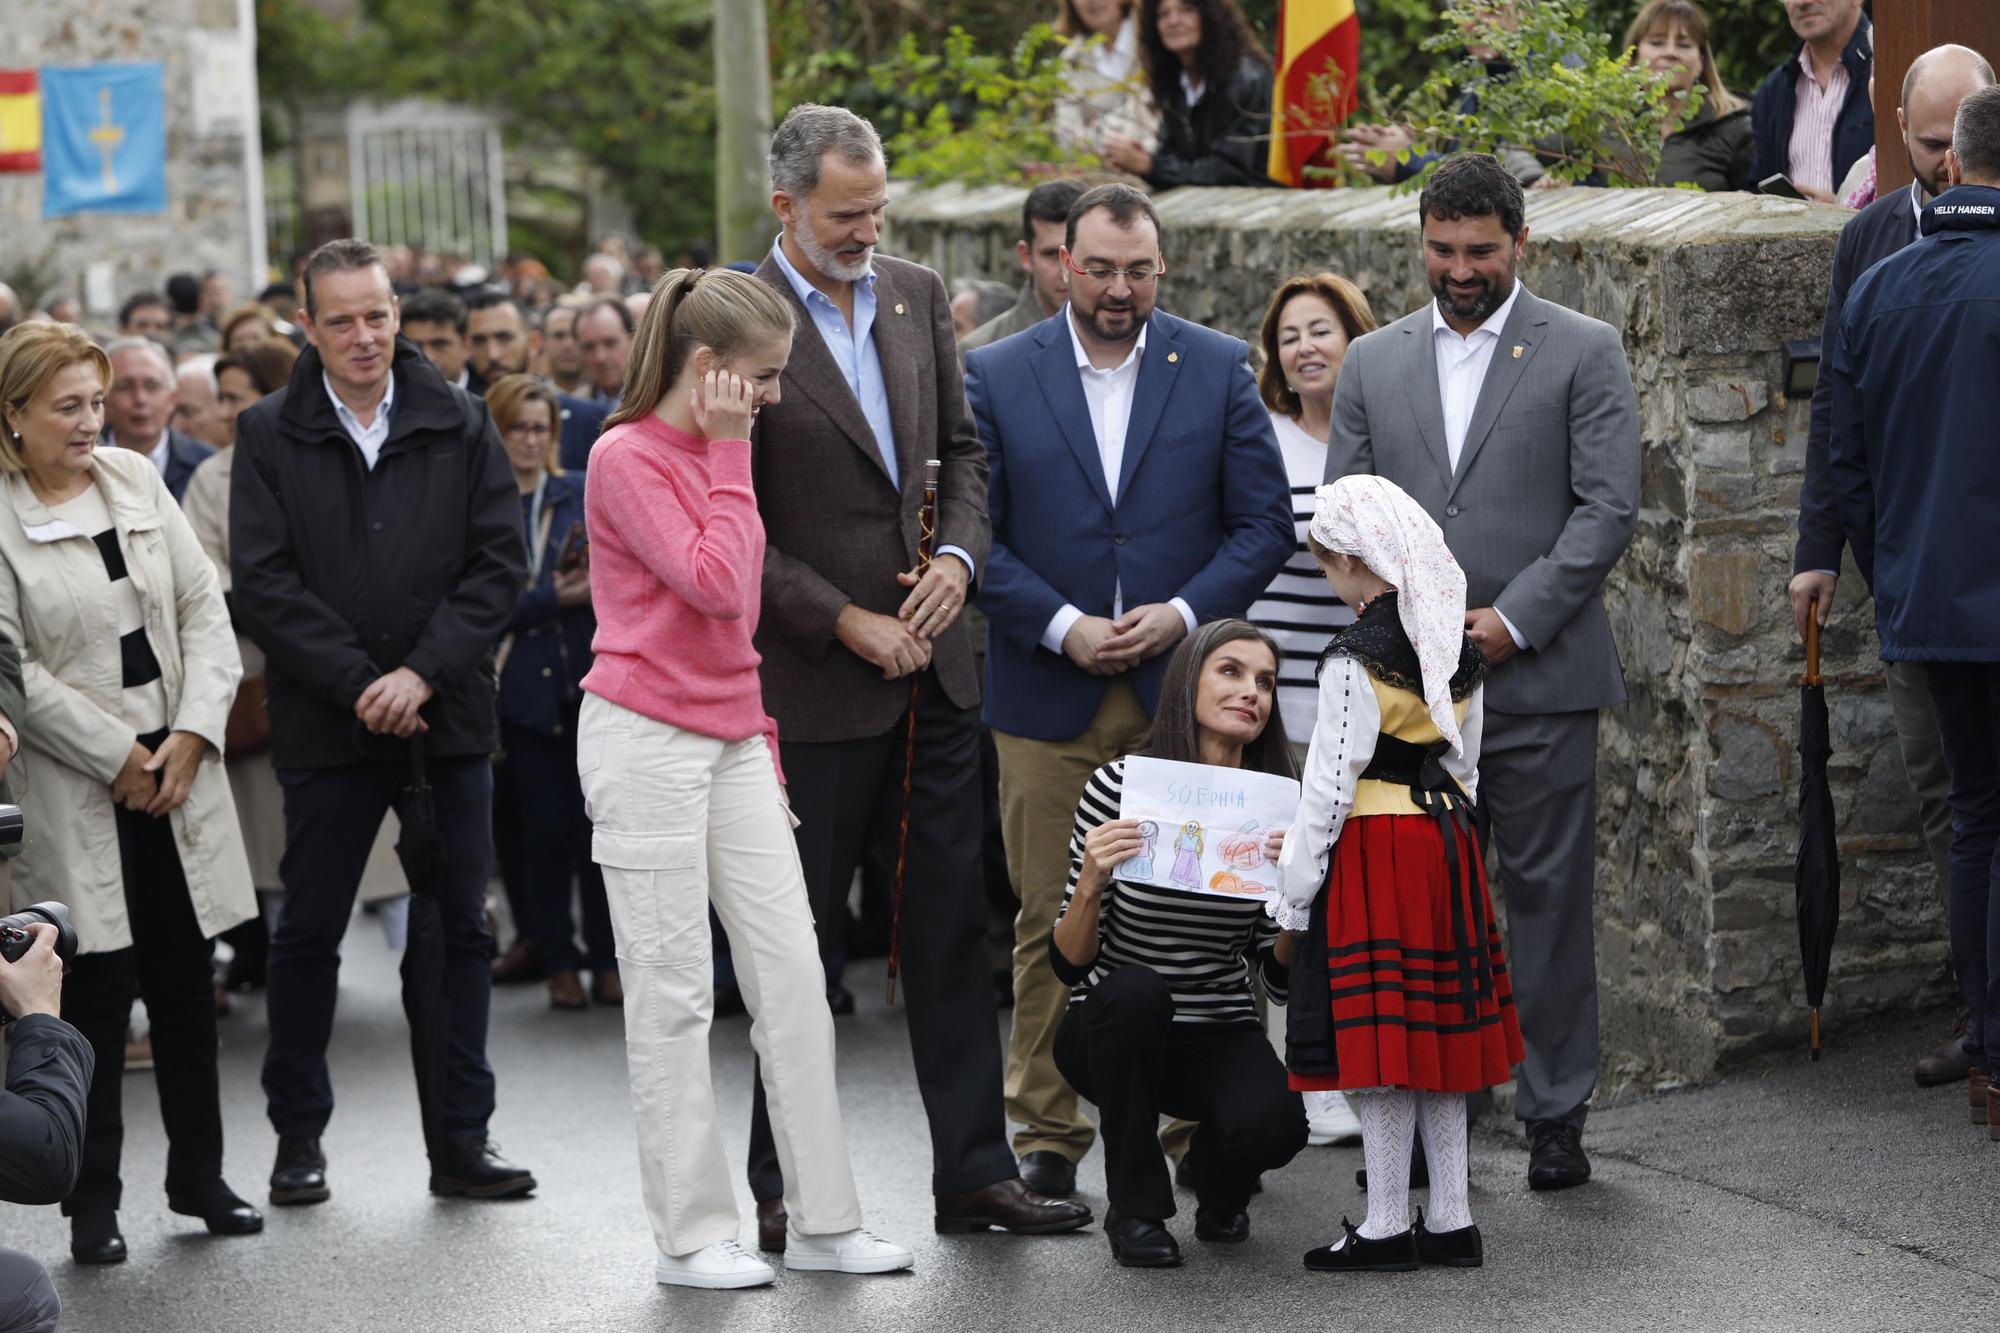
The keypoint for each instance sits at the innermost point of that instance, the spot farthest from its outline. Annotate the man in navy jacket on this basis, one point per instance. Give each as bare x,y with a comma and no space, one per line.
1918,480
1937,82
1837,41
1136,490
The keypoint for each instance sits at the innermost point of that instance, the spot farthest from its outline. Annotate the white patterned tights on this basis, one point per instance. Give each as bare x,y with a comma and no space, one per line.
1389,1119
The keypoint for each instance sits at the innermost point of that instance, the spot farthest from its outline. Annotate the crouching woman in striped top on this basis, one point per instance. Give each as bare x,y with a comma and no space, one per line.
1161,1020
130,668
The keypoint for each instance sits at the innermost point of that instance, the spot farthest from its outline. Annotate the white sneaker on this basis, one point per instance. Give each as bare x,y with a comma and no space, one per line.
856,1251
1329,1119
724,1264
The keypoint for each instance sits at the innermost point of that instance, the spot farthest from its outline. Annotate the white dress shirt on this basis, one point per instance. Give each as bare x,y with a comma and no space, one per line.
1109,394
162,453
1462,361
368,439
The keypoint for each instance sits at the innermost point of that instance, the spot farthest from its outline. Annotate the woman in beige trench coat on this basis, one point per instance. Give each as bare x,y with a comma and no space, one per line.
129,669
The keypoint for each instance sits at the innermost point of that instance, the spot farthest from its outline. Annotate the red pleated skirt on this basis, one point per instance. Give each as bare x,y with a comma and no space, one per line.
1394,976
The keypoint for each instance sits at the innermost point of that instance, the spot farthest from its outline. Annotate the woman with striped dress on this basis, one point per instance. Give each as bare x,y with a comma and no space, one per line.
1161,1019
1307,327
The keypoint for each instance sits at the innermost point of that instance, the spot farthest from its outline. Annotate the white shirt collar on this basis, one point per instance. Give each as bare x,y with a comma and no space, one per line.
464,376
1917,202
352,423
1116,58
1191,89
1083,357
802,285
162,452
1493,324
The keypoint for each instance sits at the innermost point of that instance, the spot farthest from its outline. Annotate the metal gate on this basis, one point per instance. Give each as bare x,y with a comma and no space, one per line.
428,174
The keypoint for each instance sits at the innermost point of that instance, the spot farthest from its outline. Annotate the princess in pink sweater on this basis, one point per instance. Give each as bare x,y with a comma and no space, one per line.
681,780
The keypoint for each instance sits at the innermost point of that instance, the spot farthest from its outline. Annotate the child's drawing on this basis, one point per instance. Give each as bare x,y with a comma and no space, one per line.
1140,867
1187,861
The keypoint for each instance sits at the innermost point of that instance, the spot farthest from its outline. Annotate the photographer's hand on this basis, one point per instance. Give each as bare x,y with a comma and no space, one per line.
34,984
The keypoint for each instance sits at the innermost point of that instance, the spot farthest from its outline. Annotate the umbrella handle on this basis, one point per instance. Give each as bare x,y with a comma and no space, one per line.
1812,647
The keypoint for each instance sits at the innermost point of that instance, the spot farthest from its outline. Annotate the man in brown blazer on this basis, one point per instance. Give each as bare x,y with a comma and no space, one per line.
872,392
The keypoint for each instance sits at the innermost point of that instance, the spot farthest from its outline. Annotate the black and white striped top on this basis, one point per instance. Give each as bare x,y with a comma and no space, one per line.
1202,945
145,693
1299,609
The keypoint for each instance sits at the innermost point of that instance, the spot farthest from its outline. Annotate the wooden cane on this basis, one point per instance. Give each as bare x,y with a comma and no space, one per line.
926,537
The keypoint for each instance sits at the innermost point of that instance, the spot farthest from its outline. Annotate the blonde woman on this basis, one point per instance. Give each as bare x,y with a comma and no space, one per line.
680,777
130,669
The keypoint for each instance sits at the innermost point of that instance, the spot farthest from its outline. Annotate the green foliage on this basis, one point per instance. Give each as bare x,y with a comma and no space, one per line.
1572,96
956,113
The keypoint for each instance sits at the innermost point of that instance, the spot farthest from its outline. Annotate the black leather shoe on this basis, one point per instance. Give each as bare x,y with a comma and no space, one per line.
94,1239
1138,1242
771,1219
474,1168
299,1175
1449,1249
1357,1254
217,1205
1010,1206
1221,1228
1049,1174
1555,1155
1948,1063
839,1000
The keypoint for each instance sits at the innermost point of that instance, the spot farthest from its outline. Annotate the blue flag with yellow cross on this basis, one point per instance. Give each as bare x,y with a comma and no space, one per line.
104,139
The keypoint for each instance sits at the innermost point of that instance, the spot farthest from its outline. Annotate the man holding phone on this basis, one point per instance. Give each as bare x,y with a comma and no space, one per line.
1811,117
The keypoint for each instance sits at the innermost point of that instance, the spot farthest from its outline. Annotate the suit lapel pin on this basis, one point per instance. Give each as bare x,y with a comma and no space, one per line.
1517,351
1173,357
899,310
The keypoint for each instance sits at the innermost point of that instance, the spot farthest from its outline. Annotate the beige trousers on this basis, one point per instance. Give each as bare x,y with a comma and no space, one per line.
682,821
1040,785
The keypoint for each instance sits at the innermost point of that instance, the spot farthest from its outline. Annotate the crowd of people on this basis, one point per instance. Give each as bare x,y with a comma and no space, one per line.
656,596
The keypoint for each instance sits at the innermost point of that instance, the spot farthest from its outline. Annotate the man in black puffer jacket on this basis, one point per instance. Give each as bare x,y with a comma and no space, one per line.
375,540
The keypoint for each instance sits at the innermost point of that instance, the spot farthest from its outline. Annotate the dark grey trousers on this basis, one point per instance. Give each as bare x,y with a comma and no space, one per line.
1538,788
28,1301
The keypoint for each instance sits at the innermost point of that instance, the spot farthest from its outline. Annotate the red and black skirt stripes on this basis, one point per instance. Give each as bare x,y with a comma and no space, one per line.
1407,1011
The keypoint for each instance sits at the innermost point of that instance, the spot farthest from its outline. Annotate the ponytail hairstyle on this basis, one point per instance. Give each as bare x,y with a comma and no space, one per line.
720,309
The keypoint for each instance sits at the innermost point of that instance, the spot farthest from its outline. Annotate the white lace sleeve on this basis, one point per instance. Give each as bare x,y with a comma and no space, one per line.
1464,768
1343,743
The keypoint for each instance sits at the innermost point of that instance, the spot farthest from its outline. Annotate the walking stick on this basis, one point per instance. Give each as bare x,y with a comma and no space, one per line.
926,537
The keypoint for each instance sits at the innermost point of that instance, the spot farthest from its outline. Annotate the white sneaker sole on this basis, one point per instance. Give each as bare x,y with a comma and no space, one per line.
833,1263
1329,1139
715,1281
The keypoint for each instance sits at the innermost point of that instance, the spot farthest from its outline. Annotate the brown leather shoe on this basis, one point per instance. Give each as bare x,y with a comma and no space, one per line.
521,962
1010,1206
606,988
566,992
1949,1062
771,1225
1976,1086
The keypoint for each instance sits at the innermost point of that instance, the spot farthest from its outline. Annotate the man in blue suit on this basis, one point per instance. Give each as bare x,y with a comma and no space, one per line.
140,410
504,341
1136,490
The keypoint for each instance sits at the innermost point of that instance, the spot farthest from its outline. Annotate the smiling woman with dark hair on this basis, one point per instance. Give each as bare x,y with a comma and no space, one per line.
1161,1019
1211,82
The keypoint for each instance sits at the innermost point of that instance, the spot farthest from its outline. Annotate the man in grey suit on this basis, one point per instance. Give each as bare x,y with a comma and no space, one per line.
1512,421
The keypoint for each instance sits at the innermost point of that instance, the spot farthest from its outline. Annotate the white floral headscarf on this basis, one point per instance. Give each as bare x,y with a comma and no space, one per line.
1377,521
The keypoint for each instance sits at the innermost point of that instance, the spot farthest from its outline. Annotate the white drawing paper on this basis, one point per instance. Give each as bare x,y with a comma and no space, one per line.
1203,828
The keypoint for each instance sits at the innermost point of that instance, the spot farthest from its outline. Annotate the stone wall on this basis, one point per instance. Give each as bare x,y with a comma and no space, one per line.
206,224
1696,935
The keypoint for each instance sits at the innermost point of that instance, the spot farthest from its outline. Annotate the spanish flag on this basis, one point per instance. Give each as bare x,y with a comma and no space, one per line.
1319,59
20,121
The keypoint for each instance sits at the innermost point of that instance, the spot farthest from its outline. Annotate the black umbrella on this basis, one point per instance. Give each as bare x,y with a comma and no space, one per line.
1818,885
421,850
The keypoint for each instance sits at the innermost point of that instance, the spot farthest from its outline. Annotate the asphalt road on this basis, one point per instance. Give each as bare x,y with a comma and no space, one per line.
1791,1196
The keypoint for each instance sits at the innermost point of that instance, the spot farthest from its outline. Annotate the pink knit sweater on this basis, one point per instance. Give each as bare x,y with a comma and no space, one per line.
676,572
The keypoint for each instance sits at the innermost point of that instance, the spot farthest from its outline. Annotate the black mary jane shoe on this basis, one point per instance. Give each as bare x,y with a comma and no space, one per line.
94,1239
1220,1228
1357,1254
1449,1249
218,1207
1139,1242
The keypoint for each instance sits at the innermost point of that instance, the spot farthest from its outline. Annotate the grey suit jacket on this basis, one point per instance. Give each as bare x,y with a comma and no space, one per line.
1546,493
838,530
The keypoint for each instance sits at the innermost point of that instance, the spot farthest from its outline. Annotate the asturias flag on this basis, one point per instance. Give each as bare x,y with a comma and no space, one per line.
1319,60
104,139
20,121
